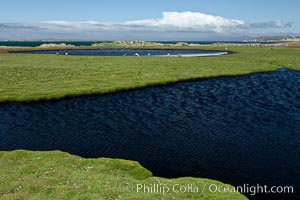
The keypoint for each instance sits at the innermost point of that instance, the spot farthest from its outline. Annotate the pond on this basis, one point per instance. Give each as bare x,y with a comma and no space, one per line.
133,52
236,130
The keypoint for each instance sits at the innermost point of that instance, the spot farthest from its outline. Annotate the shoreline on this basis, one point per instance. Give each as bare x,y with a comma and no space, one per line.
125,90
121,176
51,77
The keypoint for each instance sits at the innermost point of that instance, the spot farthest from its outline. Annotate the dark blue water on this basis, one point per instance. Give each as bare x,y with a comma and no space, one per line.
132,52
236,130
89,43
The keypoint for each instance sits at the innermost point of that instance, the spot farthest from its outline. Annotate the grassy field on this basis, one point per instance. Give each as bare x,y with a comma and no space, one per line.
56,175
35,77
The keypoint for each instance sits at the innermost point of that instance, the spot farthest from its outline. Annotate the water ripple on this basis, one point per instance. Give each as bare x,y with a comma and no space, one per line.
237,130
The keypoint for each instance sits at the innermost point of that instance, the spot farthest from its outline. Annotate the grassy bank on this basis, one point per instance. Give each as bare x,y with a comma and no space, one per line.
56,175
34,77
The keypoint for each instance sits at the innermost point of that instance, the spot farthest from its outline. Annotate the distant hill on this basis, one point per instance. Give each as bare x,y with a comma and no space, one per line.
278,39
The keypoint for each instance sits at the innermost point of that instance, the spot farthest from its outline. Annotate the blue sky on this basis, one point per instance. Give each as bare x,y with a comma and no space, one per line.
148,20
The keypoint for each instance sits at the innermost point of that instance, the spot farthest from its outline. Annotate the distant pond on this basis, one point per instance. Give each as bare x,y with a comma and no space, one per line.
133,52
236,130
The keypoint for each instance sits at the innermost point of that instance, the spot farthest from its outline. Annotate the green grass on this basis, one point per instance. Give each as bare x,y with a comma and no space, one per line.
294,44
56,175
35,77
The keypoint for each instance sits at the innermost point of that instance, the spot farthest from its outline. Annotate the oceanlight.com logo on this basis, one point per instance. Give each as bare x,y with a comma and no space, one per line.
252,190
163,189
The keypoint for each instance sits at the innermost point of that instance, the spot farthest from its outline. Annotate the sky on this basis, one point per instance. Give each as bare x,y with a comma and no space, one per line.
148,20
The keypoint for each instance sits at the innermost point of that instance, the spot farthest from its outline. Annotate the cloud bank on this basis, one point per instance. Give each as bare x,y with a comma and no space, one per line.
171,26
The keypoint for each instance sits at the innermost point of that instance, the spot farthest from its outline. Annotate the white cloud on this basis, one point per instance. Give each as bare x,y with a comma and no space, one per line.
188,20
271,24
193,25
